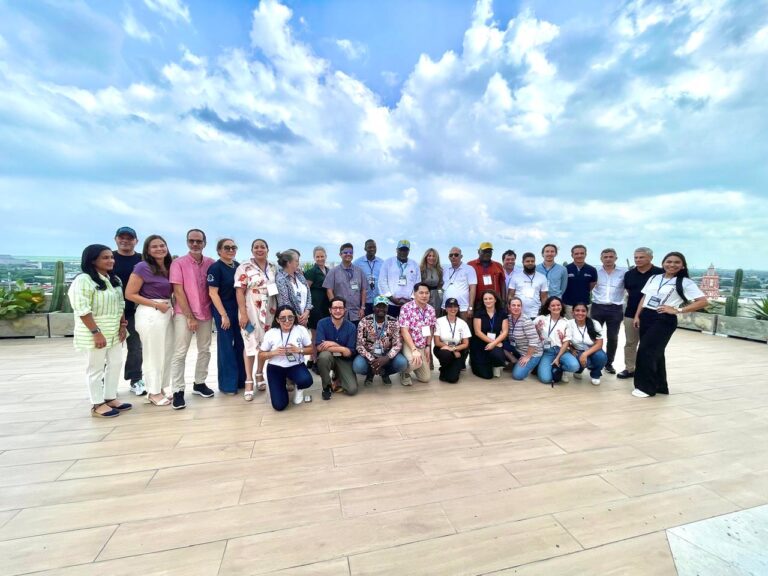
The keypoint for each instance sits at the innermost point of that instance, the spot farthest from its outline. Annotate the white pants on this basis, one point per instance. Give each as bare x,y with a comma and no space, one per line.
156,332
182,339
103,372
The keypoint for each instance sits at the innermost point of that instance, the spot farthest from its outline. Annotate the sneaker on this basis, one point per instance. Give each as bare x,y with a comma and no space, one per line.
624,374
565,379
178,400
639,393
577,375
595,381
202,390
497,372
610,369
368,381
385,379
138,388
298,395
327,393
405,379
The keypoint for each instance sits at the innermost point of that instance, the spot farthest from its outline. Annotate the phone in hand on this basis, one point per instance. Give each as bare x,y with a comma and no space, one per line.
249,327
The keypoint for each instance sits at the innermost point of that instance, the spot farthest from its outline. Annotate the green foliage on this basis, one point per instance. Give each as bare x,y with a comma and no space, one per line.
760,308
19,300
307,266
714,308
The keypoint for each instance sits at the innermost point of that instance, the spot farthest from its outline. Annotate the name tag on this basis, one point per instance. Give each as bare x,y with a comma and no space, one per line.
272,289
491,335
337,354
371,282
402,281
425,331
354,286
378,350
653,302
487,279
291,357
512,343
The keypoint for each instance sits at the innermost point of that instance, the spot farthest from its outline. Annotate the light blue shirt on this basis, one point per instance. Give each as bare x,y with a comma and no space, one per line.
370,269
557,278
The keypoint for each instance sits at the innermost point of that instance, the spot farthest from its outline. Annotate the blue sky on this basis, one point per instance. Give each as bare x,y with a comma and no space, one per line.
447,122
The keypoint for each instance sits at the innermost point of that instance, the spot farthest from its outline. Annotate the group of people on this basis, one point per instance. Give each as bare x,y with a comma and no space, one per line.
371,317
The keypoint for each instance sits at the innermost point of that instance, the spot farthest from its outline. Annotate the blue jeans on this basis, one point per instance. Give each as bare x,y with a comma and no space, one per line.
595,363
398,364
521,372
277,375
567,362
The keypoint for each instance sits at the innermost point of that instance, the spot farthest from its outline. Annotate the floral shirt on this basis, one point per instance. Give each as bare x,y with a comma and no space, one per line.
415,318
389,339
259,305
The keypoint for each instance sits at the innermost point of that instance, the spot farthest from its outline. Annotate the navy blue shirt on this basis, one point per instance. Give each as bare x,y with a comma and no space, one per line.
578,289
123,268
634,282
345,336
222,277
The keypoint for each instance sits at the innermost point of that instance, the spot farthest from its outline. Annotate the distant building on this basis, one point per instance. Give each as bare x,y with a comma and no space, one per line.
710,283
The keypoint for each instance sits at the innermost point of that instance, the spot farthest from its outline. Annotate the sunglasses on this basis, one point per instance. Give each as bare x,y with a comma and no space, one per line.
347,253
454,255
228,247
191,241
285,318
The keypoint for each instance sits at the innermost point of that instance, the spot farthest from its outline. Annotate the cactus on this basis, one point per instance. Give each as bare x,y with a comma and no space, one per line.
57,299
732,302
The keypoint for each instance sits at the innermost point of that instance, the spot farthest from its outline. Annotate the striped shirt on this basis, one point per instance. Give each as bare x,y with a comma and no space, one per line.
524,336
106,306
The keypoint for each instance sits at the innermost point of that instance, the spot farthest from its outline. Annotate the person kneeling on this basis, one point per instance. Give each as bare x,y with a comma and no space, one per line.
336,340
379,344
451,342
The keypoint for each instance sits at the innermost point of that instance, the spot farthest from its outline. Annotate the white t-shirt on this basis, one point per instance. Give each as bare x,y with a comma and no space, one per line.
552,333
579,336
276,338
660,291
456,283
529,288
301,292
452,334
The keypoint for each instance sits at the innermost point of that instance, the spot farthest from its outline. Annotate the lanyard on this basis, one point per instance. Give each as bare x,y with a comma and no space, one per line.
454,270
370,266
380,332
349,271
549,333
265,269
662,284
513,323
452,327
582,332
423,315
530,278
402,267
546,271
492,320
285,344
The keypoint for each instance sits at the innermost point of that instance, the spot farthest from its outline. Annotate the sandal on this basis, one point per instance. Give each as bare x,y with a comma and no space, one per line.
121,407
248,394
260,384
110,414
164,401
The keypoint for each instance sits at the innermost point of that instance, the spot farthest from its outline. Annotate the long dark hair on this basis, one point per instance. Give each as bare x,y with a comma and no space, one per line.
275,323
590,324
497,301
682,273
151,261
90,255
544,310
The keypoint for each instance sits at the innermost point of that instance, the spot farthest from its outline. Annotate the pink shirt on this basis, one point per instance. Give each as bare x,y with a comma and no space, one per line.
194,278
415,318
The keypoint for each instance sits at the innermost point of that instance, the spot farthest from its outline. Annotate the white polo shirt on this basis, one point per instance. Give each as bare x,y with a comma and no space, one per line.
456,283
610,287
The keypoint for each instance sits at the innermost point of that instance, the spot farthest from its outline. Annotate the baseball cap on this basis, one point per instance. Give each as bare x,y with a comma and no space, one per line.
451,302
380,300
404,244
126,230
486,246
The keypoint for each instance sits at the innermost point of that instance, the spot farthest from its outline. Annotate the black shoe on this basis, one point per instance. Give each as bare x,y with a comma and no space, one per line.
368,381
310,364
327,393
178,400
610,369
202,390
385,379
624,374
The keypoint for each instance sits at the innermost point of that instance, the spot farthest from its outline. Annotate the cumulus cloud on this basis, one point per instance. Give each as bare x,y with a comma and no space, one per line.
351,49
174,10
134,28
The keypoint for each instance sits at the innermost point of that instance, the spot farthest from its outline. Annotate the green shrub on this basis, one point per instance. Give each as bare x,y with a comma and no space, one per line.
19,300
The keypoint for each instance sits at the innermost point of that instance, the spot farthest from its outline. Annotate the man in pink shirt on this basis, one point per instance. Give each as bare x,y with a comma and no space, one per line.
192,316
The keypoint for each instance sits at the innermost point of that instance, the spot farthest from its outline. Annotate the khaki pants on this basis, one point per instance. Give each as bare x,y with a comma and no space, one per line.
630,348
422,373
326,362
182,337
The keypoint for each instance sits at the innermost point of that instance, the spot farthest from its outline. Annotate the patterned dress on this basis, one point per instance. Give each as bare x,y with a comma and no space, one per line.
258,304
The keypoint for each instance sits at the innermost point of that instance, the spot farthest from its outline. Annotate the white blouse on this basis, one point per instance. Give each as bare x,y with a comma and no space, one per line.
579,336
661,291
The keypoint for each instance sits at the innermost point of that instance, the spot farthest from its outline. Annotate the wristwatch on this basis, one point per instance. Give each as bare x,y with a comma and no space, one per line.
679,310
96,330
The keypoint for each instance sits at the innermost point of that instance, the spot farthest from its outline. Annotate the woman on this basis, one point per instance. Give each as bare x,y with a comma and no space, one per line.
315,278
256,301
552,329
229,341
96,296
586,343
432,276
491,329
664,297
523,346
149,288
285,348
451,342
292,289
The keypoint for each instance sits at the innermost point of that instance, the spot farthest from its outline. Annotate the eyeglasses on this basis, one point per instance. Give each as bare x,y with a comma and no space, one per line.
454,255
193,241
285,318
347,252
228,247
337,307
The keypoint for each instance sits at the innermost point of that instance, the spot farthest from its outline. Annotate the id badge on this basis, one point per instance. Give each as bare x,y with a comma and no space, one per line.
513,343
425,331
491,335
337,354
653,302
354,286
528,291
291,357
271,289
402,281
487,280
371,282
378,350
547,344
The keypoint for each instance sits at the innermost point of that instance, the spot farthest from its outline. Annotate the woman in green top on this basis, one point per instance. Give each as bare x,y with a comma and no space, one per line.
96,296
315,277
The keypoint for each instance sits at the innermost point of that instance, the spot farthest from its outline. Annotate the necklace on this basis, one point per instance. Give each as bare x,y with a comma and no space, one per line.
230,264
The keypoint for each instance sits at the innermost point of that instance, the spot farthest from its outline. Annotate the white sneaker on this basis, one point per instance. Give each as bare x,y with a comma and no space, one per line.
639,393
595,381
298,395
565,379
405,379
497,372
577,375
138,388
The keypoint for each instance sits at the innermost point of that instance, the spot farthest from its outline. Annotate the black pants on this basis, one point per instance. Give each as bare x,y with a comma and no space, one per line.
132,370
450,366
651,369
484,361
612,315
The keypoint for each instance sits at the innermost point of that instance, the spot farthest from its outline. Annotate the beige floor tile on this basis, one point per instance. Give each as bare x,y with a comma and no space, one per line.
52,551
63,491
6,515
745,490
644,555
337,567
178,531
20,441
469,553
704,424
19,428
726,406
322,441
524,502
328,540
398,449
203,560
604,523
118,509
416,491
260,487
655,413
514,432
247,432
15,475
598,461
700,444
360,422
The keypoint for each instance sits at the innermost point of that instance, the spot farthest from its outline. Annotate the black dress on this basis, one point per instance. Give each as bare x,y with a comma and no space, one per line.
319,296
484,361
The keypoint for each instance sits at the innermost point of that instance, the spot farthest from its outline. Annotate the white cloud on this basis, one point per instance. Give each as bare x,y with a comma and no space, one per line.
173,10
351,49
134,28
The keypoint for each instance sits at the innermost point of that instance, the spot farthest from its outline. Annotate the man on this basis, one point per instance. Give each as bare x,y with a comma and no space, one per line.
336,341
530,286
347,281
379,344
126,258
370,264
460,282
397,278
490,275
581,279
557,275
634,281
192,316
508,260
608,301
417,325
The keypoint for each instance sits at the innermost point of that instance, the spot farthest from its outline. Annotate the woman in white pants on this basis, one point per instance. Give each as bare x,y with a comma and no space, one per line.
149,287
96,296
